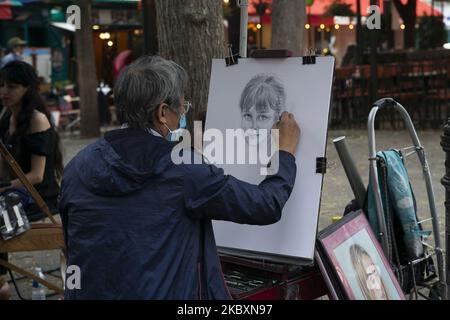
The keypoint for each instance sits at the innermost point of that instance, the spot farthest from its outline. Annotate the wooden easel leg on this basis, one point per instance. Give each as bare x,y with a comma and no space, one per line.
27,274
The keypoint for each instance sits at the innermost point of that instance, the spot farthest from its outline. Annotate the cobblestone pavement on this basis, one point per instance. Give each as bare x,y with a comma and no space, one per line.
336,191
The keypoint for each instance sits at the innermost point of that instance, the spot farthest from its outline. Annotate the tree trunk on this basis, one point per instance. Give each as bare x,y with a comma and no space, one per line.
87,78
192,33
408,14
288,21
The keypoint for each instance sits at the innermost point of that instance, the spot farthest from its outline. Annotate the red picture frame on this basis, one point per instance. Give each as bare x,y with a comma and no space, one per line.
354,262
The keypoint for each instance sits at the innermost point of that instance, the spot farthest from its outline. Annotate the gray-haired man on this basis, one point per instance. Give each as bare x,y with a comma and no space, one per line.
139,226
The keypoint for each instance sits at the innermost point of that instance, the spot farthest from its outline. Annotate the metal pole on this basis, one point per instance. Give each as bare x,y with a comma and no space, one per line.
149,23
260,33
332,292
388,22
243,4
373,172
351,171
373,38
359,37
309,23
445,143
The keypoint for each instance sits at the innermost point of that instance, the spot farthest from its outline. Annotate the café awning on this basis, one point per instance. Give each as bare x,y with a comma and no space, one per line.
319,7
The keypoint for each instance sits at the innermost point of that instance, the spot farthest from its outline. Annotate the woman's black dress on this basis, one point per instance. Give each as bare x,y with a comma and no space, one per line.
22,148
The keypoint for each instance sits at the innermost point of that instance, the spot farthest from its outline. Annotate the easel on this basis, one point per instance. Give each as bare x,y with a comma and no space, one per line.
252,279
41,236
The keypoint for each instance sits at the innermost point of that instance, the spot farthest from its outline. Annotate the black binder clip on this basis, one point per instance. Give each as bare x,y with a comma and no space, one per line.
231,59
321,165
310,58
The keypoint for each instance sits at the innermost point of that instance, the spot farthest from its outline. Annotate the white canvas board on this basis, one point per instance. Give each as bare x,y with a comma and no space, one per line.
307,91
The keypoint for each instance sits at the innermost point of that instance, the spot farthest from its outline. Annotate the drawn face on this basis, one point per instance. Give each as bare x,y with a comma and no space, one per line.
252,121
373,280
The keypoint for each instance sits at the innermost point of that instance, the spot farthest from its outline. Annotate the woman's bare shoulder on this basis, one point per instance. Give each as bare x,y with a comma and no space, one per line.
39,122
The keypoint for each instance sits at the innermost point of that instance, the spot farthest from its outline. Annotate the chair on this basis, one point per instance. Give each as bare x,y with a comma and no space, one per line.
341,95
69,111
360,95
41,236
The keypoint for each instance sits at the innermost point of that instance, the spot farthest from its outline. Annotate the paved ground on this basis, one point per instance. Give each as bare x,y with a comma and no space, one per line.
336,190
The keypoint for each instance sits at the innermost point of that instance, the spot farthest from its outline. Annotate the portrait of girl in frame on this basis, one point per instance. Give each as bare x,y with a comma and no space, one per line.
351,247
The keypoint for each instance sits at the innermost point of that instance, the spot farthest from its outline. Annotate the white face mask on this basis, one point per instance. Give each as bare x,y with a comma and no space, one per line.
174,135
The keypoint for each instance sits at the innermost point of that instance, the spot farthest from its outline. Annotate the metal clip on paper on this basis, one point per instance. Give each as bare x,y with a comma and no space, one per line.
310,58
321,165
231,59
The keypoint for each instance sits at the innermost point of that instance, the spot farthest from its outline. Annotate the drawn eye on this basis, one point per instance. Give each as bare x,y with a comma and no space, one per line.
247,117
263,117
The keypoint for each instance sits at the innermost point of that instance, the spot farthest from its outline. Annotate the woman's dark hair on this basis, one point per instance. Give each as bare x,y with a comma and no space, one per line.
19,72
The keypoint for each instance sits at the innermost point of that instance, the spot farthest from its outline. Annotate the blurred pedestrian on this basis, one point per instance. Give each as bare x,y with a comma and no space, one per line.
15,46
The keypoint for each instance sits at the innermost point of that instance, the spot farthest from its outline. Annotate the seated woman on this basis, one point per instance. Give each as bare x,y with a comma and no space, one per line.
26,129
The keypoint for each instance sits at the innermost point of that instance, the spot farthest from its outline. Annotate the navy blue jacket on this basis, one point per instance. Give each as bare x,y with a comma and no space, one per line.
139,226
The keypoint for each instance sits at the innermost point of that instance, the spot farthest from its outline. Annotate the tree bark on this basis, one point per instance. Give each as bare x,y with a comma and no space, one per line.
408,14
87,78
288,20
192,33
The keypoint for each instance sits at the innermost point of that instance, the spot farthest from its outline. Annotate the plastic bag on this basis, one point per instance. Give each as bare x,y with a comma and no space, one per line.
13,218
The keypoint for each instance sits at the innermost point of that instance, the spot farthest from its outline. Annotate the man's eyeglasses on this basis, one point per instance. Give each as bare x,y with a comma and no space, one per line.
187,105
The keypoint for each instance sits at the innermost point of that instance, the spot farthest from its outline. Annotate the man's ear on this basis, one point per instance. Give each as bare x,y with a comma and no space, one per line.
161,112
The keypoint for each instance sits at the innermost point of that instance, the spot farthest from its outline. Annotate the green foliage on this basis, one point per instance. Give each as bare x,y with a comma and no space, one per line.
60,85
226,12
431,32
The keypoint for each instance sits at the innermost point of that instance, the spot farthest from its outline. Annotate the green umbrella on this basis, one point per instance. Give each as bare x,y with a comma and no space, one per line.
11,3
56,15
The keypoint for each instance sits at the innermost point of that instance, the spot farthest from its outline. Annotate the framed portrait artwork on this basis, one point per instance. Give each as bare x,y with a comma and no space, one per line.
354,262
